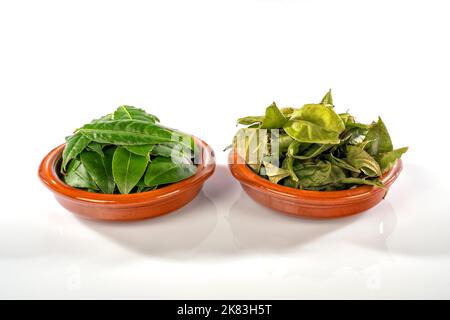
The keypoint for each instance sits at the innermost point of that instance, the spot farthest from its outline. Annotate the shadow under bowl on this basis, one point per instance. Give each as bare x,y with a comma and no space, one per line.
126,207
306,203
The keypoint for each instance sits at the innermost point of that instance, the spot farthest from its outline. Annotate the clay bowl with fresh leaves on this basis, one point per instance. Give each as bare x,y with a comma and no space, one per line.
127,166
314,162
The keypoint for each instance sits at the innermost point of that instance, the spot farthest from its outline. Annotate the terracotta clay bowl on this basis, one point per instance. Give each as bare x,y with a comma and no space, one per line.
310,204
127,207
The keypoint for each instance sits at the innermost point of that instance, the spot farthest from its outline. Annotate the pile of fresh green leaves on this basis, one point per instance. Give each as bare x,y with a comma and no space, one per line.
127,151
315,148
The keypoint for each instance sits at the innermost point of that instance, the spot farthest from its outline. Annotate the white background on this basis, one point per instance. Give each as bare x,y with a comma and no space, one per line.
199,65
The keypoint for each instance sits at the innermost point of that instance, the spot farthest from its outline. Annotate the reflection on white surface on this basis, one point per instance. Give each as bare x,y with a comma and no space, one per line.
224,222
242,227
173,234
224,239
425,220
261,229
312,248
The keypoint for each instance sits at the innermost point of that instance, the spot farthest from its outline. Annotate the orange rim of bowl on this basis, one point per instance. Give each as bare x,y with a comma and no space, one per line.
249,178
50,177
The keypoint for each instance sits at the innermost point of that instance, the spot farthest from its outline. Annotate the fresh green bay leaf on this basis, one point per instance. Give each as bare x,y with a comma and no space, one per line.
172,149
132,113
107,117
163,170
100,169
128,132
143,150
96,147
111,154
74,145
128,168
78,177
142,187
163,149
146,189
